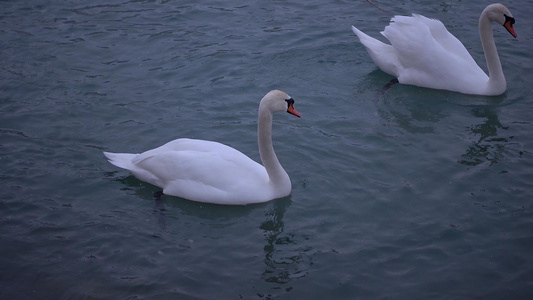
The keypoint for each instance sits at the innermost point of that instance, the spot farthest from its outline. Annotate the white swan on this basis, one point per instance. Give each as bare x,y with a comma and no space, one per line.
424,53
206,171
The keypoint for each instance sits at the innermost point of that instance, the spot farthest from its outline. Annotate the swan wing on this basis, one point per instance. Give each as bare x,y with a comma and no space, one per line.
444,38
430,56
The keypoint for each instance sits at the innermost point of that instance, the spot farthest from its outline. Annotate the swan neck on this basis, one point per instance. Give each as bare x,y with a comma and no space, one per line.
494,65
270,161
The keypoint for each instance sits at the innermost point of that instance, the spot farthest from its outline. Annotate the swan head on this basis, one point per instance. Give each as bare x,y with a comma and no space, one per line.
277,101
500,14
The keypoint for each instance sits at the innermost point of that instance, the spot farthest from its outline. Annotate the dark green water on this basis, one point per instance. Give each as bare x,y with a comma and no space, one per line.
414,194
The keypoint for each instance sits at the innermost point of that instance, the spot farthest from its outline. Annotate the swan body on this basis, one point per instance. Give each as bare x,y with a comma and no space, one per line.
424,53
212,172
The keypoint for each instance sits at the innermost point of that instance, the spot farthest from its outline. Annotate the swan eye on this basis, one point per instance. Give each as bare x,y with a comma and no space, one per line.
508,19
290,102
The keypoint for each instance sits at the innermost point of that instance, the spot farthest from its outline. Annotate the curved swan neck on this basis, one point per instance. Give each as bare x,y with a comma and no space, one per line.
496,76
275,171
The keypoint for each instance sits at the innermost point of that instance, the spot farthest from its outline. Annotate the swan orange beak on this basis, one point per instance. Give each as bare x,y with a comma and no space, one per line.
293,111
509,25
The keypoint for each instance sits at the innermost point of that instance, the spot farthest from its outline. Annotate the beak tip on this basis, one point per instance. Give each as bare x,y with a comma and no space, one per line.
510,29
293,111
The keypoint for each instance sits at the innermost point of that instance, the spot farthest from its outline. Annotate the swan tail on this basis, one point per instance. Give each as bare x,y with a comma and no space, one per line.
121,160
369,42
382,54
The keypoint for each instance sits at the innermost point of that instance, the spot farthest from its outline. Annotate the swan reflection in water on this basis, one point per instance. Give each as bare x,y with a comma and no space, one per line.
285,259
489,146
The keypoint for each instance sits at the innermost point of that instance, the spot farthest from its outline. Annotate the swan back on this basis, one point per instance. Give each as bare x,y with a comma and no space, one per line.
430,56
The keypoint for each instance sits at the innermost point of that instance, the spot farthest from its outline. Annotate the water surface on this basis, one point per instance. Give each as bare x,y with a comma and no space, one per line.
413,194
